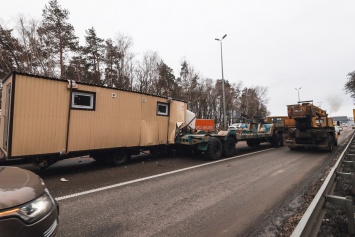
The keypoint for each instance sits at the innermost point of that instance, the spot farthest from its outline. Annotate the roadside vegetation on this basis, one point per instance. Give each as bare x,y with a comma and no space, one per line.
49,47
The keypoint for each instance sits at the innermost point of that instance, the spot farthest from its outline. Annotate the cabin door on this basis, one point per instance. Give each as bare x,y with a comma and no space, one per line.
7,116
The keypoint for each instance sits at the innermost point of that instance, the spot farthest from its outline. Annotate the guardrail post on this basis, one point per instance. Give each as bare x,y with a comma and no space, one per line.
349,162
347,203
350,176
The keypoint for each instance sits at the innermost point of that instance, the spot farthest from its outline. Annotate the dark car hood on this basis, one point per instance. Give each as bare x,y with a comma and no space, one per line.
18,186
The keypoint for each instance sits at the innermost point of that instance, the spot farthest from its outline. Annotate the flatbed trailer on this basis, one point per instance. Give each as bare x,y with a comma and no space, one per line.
222,143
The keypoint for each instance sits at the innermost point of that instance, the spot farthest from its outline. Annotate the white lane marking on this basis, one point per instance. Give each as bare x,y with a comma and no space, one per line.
278,172
151,177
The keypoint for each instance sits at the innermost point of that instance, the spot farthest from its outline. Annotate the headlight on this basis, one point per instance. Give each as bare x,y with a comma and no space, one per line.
32,211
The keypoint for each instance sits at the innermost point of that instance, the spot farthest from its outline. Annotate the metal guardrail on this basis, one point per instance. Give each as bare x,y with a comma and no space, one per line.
311,221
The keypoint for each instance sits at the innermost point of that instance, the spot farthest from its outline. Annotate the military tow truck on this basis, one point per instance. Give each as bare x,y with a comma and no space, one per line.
308,126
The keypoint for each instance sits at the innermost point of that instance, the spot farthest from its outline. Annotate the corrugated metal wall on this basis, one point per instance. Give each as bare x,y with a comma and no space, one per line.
40,116
124,120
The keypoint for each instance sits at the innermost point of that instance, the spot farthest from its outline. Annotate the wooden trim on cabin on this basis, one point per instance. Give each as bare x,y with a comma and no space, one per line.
11,119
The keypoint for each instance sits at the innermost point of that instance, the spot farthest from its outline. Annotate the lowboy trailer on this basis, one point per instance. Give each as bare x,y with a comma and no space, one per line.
45,120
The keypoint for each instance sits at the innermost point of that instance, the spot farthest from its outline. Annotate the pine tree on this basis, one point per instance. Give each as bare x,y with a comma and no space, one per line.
93,51
60,35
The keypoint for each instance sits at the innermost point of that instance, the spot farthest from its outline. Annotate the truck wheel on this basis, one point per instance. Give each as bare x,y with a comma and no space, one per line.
282,140
228,147
214,149
120,157
330,144
276,140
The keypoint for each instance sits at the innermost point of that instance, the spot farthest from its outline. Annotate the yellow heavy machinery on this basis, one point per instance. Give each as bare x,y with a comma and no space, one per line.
308,126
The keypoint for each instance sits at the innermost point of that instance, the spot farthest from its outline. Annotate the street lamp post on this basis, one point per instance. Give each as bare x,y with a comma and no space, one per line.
298,90
223,94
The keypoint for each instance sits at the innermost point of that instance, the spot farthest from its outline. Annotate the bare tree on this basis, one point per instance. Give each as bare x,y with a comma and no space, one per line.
11,50
147,73
125,64
253,102
350,84
35,58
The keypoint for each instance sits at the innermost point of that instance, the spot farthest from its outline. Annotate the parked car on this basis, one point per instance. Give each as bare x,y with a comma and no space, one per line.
26,206
237,126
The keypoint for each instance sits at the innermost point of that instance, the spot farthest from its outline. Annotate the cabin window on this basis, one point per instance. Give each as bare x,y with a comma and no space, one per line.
83,100
319,122
162,109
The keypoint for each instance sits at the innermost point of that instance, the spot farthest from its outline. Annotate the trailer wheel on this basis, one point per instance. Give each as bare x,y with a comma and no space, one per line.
228,148
214,149
120,157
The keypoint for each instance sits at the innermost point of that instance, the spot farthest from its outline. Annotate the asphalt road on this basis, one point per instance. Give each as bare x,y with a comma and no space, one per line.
179,196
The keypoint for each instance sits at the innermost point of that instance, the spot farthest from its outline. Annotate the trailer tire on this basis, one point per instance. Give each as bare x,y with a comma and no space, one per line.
214,149
120,157
228,147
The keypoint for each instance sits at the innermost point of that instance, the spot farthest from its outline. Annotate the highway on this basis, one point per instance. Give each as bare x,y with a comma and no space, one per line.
246,195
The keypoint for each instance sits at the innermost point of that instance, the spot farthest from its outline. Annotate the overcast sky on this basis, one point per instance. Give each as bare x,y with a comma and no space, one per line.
278,44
